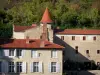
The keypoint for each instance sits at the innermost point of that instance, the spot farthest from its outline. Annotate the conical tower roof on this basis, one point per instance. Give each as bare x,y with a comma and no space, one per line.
46,17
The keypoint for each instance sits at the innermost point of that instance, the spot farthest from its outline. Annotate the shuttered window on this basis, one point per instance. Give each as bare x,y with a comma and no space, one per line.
62,37
11,67
11,52
54,67
84,37
54,53
34,54
36,67
19,52
19,67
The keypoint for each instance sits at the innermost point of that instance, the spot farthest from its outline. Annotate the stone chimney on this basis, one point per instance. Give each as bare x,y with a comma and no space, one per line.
27,39
44,36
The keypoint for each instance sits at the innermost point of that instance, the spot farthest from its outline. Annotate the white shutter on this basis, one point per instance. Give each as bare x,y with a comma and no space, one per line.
49,67
24,67
6,52
23,53
4,67
40,67
15,66
31,67
58,67
15,52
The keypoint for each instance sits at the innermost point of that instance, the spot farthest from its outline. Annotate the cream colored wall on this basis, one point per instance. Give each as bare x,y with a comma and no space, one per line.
45,58
18,35
88,44
33,33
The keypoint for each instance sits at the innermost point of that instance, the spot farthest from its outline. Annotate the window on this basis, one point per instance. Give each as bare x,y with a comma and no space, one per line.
54,54
19,67
62,37
34,54
19,52
53,66
1,52
0,66
11,52
94,38
76,49
98,51
98,63
11,67
73,37
84,38
87,51
35,66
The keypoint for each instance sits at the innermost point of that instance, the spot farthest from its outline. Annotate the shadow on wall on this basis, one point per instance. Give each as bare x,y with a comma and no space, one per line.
74,61
5,59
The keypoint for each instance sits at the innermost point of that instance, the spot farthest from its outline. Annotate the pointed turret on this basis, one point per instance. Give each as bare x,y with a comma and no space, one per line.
46,17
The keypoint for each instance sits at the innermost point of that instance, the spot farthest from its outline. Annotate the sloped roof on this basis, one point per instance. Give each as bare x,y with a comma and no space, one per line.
33,43
79,31
22,28
46,17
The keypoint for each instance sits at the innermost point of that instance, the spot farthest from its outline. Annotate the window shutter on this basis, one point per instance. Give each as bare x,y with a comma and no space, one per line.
58,67
5,67
49,67
15,52
31,67
24,67
6,52
23,53
15,67
40,67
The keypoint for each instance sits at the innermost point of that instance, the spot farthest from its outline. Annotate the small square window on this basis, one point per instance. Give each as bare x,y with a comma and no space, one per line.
73,37
94,38
62,37
84,37
98,51
87,51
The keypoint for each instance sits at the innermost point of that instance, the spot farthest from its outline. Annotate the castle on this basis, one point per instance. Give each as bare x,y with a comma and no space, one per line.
40,50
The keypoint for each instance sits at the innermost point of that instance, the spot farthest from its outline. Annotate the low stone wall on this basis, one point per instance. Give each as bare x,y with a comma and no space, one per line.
90,72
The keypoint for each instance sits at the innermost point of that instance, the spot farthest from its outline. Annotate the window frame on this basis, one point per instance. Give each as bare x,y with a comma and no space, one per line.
87,52
10,52
11,66
18,54
19,67
76,49
94,38
62,37
52,54
73,38
34,55
35,66
53,67
84,38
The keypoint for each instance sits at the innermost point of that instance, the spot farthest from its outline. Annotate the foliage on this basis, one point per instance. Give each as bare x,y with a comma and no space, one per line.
64,13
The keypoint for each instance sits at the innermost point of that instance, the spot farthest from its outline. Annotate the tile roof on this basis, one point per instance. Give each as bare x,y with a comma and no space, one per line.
22,28
79,31
46,17
33,43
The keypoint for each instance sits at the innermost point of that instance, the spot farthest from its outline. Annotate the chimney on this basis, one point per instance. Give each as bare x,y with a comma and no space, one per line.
43,40
27,39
